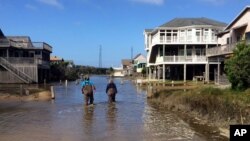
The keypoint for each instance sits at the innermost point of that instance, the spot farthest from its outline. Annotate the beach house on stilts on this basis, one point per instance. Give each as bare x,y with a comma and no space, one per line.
177,49
23,61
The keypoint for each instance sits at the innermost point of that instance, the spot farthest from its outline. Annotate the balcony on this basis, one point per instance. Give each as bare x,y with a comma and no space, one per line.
27,61
221,50
4,43
181,59
42,45
191,39
25,45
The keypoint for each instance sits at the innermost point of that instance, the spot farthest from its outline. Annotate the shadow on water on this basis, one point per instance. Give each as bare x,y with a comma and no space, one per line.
131,118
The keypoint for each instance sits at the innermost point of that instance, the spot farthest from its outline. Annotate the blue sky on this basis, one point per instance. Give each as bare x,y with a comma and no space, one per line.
76,28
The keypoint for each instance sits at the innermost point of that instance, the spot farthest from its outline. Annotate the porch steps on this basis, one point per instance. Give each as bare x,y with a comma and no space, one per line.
21,75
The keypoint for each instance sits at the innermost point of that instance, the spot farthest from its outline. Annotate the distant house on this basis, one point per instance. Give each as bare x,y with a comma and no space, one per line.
118,72
70,63
55,59
127,66
23,61
139,62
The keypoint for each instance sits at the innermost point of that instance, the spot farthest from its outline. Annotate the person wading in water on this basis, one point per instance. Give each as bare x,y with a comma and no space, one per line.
111,91
87,89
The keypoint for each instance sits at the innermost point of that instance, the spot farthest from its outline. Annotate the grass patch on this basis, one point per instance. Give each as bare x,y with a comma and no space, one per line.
221,106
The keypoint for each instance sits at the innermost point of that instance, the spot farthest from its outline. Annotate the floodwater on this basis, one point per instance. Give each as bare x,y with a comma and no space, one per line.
66,118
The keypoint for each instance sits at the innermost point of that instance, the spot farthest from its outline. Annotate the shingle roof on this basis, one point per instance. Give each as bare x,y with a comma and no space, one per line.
1,33
137,55
20,38
181,22
126,62
239,16
55,58
149,30
21,41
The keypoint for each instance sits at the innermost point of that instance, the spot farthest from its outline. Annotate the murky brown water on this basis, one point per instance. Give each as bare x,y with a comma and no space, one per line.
131,118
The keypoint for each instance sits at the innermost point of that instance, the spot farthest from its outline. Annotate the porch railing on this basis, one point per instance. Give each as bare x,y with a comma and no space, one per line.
173,59
27,60
4,43
157,39
25,45
221,50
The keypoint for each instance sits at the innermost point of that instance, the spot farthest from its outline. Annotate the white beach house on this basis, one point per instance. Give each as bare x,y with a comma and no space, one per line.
177,49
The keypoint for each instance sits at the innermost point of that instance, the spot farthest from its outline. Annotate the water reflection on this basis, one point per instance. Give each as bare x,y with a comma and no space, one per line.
111,116
88,119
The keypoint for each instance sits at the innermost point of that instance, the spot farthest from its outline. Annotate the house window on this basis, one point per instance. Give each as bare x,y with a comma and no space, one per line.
175,34
214,32
181,52
162,35
189,35
37,52
189,52
198,52
198,35
238,38
247,35
205,33
182,35
168,35
228,40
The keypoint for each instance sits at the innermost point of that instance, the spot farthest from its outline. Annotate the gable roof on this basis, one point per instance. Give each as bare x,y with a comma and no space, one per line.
148,30
126,62
137,56
21,41
55,58
1,33
238,17
182,22
25,39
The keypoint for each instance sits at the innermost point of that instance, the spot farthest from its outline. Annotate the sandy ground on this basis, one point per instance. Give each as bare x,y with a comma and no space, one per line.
44,95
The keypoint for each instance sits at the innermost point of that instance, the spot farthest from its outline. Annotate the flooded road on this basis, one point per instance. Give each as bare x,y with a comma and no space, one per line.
131,118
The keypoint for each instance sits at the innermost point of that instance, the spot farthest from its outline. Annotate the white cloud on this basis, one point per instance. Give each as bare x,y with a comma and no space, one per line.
214,2
54,3
155,2
31,7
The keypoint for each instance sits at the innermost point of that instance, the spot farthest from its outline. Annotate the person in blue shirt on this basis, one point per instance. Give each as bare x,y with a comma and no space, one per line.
88,89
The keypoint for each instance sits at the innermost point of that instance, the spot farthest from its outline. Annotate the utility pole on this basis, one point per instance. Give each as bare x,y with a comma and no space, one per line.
100,56
132,53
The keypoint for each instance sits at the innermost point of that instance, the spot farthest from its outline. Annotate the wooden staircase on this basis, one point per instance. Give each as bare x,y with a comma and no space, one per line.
15,71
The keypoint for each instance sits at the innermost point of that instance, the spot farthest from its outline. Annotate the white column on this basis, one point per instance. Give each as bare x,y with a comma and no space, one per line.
163,72
207,72
218,71
158,72
147,74
150,73
155,72
185,70
163,67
